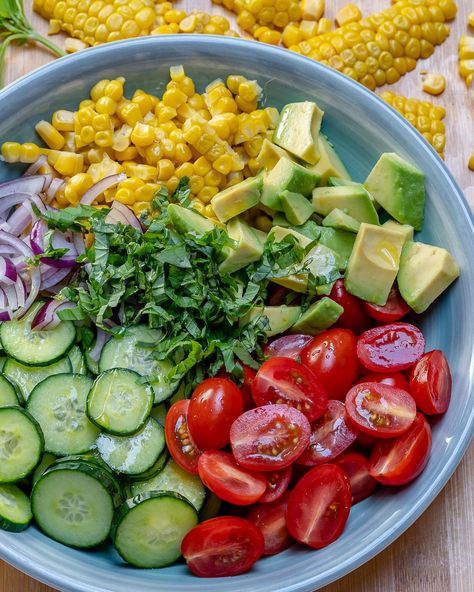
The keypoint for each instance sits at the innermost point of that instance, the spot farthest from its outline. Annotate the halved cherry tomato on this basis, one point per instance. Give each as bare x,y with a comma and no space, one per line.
246,385
399,461
277,484
380,410
330,435
215,404
354,316
271,520
393,310
223,546
396,379
430,383
269,438
390,348
220,473
284,381
318,507
365,441
356,467
288,346
178,439
332,356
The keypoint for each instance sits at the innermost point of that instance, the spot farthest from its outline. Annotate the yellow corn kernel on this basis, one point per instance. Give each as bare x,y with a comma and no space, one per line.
132,183
433,84
129,113
140,207
233,82
101,122
63,120
146,192
104,168
312,9
142,135
165,169
184,170
129,153
348,14
174,98
87,135
29,152
125,196
209,211
206,194
77,185
470,163
114,90
72,45
172,183
67,164
291,35
50,135
202,166
249,90
145,172
223,164
97,91
197,205
308,29
104,138
324,26
213,178
470,21
182,152
193,134
106,105
195,183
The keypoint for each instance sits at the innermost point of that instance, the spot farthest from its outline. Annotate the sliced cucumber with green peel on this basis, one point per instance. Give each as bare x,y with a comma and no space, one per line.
158,466
78,364
27,377
73,503
3,359
21,444
119,401
211,507
174,478
15,509
148,529
135,454
36,348
58,404
9,394
46,462
159,413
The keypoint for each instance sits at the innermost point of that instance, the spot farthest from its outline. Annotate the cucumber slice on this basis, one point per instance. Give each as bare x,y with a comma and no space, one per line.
36,348
174,478
73,503
27,377
159,413
211,507
15,509
8,393
119,401
148,530
130,351
155,469
135,454
46,462
78,364
21,444
58,404
3,359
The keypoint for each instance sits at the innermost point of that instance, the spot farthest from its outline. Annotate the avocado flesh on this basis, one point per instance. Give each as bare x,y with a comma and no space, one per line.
351,199
298,130
320,316
280,219
405,229
339,241
237,199
296,207
399,188
425,272
186,220
286,175
270,154
339,182
374,263
280,318
329,164
249,246
339,220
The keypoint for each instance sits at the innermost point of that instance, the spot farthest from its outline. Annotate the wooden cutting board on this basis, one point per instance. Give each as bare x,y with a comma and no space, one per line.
436,553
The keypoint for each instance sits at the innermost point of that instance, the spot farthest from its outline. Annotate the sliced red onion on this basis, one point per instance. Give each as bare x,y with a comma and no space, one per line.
8,272
7,202
116,217
3,299
100,341
55,186
106,183
35,166
5,315
21,293
13,301
32,184
78,242
47,317
23,216
127,214
54,277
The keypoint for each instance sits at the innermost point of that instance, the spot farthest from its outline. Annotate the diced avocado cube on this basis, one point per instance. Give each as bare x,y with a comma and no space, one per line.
320,316
324,289
249,246
339,241
286,175
298,130
329,164
270,154
280,318
340,220
405,229
296,206
237,199
338,182
186,220
374,263
280,219
399,188
425,272
351,199
309,229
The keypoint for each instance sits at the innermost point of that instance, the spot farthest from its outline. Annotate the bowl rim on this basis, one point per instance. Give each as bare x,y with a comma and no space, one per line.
424,501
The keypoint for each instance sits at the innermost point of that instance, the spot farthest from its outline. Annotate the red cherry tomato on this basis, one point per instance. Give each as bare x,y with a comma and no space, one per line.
178,438
278,295
214,405
288,346
354,316
220,473
430,383
399,461
246,385
330,435
223,546
380,410
393,310
396,379
271,520
318,507
365,441
284,381
390,348
269,438
277,484
356,467
332,356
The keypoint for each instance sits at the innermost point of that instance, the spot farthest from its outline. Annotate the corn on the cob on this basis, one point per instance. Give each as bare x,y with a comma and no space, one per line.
466,58
423,115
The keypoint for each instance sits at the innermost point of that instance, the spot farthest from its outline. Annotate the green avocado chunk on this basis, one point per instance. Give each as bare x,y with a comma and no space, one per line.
298,130
280,219
374,263
340,220
329,164
186,220
286,175
296,206
280,318
237,199
270,154
425,272
351,199
405,229
320,316
399,188
249,246
340,241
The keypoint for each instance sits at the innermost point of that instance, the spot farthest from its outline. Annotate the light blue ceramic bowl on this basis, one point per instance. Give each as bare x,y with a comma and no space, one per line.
361,126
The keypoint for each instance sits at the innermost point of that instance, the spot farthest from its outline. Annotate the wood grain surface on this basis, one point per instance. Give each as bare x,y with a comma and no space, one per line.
436,553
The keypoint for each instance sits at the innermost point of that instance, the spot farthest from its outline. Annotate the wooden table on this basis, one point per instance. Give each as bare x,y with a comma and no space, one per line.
435,554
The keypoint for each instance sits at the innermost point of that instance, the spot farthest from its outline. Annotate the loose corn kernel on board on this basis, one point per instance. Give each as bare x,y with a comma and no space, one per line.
435,555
